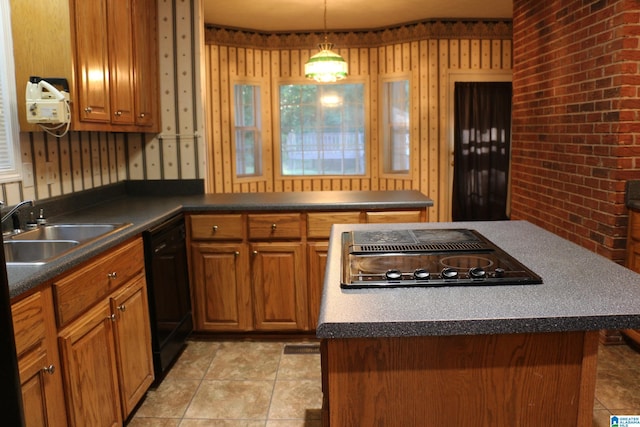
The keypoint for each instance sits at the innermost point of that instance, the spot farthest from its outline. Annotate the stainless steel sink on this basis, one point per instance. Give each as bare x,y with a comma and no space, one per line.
79,232
47,242
35,251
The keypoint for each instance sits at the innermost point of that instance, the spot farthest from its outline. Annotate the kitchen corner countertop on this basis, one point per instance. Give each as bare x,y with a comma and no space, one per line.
581,291
145,212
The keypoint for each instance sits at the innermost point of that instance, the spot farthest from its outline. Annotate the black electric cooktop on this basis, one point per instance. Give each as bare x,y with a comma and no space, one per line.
427,257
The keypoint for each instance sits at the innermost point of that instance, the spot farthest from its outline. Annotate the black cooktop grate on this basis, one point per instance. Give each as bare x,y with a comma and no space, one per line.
421,247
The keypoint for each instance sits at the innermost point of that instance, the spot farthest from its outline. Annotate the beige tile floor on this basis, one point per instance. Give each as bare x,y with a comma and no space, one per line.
254,384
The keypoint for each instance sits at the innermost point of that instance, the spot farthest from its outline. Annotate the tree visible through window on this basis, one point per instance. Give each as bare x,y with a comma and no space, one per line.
247,130
322,129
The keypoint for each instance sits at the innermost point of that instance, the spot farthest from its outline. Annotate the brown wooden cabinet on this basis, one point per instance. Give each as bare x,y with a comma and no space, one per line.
279,286
90,370
133,342
38,361
317,262
115,60
221,288
264,271
105,338
633,259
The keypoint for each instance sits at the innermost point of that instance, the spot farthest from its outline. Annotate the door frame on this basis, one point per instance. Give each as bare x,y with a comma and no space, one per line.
454,76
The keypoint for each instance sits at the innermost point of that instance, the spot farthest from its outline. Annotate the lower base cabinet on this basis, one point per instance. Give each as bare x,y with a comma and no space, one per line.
279,286
89,357
38,361
221,287
107,358
633,261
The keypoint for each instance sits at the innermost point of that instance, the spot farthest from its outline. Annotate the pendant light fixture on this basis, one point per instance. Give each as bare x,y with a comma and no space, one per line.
326,66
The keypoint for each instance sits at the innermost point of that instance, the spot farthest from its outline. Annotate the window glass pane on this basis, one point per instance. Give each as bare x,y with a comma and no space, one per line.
8,114
247,130
322,129
396,141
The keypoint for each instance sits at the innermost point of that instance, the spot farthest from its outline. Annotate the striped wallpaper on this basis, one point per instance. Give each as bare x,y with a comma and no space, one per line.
197,67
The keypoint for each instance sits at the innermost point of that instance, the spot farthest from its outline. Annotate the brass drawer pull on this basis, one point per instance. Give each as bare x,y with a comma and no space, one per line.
112,275
214,229
273,227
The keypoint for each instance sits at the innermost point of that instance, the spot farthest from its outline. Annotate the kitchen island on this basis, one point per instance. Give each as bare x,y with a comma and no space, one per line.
475,355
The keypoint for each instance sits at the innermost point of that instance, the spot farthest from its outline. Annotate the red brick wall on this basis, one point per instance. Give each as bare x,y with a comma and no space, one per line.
576,124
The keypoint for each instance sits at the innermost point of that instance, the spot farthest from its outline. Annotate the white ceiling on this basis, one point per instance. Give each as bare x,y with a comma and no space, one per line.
301,15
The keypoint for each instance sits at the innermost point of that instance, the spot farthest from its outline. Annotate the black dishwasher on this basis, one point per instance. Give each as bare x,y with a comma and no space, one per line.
168,288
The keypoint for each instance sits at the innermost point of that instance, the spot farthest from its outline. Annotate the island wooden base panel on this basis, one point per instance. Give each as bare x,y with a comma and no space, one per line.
484,380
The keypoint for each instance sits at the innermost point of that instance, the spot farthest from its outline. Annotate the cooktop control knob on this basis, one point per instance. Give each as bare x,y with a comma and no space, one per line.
477,273
393,275
499,272
449,273
421,274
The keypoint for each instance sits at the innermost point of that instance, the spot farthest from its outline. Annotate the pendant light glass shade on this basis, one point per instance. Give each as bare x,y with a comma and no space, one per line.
326,66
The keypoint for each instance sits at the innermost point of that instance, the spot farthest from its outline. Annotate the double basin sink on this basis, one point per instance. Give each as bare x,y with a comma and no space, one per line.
48,242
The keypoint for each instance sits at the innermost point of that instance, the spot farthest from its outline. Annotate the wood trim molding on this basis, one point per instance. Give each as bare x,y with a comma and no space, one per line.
491,30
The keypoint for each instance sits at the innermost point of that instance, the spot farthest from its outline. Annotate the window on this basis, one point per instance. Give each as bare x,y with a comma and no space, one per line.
395,126
322,129
8,114
247,130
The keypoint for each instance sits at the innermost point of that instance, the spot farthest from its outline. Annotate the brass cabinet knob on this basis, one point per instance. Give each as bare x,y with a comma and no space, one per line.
112,317
118,113
51,369
273,227
122,307
88,110
214,228
112,275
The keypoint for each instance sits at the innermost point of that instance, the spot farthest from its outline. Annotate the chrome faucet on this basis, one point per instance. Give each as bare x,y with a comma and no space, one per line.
15,208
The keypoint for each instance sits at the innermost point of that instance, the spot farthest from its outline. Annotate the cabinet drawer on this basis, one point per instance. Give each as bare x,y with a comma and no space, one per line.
393,216
80,290
28,322
319,223
275,226
217,227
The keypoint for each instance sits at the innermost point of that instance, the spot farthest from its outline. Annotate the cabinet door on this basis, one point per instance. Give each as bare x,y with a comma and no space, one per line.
89,23
133,343
121,61
89,361
145,45
38,360
279,286
317,265
33,382
222,294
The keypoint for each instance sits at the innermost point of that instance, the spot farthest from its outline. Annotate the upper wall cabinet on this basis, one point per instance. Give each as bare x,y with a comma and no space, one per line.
115,65
41,46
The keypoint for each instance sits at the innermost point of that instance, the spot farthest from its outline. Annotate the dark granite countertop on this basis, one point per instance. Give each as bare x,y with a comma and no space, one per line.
144,212
581,291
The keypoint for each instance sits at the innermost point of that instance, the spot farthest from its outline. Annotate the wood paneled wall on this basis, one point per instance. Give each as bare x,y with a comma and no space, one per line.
425,53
